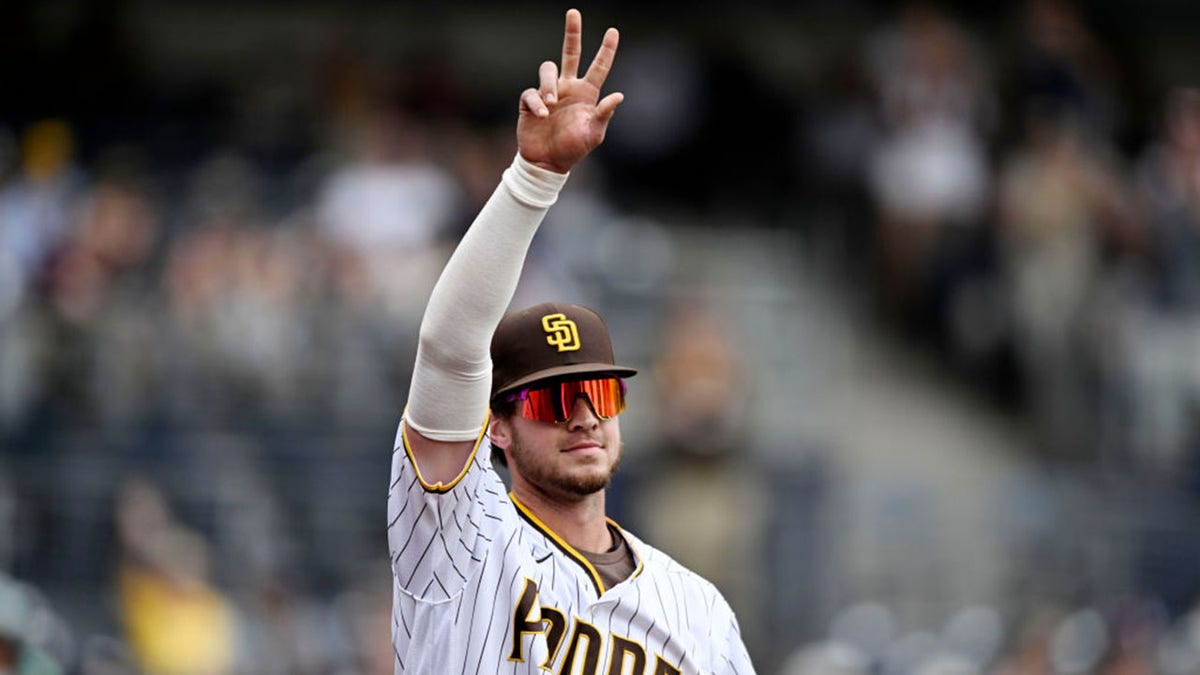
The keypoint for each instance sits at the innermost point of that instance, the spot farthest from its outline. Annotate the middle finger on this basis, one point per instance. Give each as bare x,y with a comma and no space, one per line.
572,43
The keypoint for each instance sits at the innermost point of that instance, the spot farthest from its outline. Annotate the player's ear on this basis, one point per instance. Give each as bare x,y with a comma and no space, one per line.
500,431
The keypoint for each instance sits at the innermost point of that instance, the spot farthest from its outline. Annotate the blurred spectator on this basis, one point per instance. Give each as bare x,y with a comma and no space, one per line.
386,210
1060,194
115,229
176,623
700,384
36,207
102,295
1164,328
709,522
930,177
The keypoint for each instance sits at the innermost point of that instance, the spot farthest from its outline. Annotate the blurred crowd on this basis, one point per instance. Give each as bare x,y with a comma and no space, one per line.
1027,223
124,304
197,355
1127,638
152,320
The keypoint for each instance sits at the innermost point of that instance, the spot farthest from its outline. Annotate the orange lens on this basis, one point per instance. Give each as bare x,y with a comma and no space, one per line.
556,402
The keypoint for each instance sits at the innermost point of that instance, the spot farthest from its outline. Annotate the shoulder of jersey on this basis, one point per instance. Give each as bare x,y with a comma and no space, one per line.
662,563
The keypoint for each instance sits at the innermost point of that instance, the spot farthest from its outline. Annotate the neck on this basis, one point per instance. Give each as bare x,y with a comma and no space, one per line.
580,522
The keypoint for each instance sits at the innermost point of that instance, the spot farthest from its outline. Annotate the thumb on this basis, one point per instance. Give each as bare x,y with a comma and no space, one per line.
608,105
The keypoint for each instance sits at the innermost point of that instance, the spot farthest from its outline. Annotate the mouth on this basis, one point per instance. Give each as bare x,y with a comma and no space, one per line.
583,446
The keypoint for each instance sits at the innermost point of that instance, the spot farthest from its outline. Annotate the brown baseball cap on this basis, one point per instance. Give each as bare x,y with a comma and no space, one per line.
547,341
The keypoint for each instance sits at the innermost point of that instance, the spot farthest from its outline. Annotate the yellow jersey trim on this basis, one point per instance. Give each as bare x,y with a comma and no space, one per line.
440,487
637,556
560,542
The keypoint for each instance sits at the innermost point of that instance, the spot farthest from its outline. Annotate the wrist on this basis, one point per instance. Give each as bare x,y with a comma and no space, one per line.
541,164
534,184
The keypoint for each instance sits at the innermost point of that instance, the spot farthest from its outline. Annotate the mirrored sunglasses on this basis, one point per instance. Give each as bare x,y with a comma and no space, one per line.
555,402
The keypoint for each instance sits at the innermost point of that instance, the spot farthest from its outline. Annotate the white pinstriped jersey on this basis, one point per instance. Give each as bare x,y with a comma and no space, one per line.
480,585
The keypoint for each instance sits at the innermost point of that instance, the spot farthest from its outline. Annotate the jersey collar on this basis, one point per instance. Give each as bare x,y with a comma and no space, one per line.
570,551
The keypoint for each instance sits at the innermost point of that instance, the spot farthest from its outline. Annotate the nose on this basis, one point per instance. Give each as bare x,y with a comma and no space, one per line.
583,417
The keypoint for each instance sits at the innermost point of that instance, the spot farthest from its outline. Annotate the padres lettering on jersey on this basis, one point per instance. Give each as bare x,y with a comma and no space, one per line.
554,625
480,585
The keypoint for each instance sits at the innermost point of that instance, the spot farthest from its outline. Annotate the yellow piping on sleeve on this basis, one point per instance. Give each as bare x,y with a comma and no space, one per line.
440,487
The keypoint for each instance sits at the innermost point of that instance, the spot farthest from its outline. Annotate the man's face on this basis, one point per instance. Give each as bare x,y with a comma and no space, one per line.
567,461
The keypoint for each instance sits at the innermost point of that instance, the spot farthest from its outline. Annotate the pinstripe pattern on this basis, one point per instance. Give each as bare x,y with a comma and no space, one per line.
460,563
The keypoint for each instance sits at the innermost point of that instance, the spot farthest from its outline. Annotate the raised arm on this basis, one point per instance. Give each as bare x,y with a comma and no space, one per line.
559,123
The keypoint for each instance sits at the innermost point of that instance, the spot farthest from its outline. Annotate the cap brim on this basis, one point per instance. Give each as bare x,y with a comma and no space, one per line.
574,369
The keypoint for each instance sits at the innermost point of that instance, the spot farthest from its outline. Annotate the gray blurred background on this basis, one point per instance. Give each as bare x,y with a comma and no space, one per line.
914,288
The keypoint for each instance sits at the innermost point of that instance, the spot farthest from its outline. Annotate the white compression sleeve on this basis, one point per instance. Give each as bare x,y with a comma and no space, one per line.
453,374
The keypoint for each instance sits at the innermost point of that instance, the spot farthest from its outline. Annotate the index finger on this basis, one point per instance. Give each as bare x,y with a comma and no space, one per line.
598,71
572,44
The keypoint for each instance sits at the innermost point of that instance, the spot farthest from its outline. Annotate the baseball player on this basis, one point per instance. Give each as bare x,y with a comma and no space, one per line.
536,579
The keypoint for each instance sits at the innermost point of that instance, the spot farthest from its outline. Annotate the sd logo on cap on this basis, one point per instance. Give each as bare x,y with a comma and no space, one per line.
550,340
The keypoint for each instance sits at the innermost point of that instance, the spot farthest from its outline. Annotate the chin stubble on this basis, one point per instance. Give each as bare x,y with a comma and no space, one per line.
543,476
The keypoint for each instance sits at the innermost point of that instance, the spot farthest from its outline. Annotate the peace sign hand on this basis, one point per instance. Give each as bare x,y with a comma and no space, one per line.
561,121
